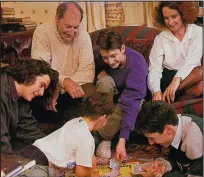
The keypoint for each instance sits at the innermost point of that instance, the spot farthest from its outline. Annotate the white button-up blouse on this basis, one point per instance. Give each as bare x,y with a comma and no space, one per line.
168,52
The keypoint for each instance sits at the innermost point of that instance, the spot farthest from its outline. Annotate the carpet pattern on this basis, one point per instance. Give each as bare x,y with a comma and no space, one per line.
136,154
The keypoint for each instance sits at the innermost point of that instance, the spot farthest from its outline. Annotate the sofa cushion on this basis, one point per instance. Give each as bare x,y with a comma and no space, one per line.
143,46
15,46
130,32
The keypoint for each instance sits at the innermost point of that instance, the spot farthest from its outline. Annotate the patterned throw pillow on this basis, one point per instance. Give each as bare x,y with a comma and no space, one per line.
142,46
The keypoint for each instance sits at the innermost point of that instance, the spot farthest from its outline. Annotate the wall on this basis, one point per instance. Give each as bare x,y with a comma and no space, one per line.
40,12
43,12
134,13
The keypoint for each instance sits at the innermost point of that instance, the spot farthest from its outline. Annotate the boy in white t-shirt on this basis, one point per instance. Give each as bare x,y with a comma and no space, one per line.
72,146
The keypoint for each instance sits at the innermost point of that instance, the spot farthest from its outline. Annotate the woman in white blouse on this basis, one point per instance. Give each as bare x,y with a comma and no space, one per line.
175,58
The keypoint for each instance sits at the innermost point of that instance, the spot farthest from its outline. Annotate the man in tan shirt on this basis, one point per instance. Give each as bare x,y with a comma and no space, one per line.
69,51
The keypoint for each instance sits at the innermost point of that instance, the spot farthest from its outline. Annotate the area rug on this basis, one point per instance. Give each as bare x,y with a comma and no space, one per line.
136,154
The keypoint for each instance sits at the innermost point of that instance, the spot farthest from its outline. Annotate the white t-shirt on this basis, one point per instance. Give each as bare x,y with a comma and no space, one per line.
70,145
173,54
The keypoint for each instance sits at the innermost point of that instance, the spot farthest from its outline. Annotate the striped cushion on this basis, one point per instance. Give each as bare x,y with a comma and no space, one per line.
194,107
143,46
130,32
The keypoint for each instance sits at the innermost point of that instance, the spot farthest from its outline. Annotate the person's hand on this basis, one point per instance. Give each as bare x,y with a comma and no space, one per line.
102,74
94,161
169,94
53,102
95,171
120,150
148,171
157,169
157,96
73,88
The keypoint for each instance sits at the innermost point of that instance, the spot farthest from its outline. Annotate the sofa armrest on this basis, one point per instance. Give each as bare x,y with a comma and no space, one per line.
194,107
16,45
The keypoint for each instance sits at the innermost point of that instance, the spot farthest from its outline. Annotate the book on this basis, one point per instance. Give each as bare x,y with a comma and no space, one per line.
9,166
7,16
22,28
8,12
7,9
12,165
8,23
26,165
13,19
200,12
27,23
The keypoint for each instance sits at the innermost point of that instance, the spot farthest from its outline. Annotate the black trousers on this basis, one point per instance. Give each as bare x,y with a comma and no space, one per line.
33,153
64,103
67,108
167,76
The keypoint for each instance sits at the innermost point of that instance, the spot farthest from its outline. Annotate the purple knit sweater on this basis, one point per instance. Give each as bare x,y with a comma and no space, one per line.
131,84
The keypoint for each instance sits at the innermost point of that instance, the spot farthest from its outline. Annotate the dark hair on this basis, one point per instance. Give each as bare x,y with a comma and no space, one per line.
25,71
154,116
109,40
97,104
187,10
62,8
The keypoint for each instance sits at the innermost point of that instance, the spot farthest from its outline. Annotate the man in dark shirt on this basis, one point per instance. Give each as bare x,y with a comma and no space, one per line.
20,83
182,133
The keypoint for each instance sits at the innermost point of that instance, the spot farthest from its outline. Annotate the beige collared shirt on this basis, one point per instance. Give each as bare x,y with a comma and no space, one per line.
173,54
177,139
72,60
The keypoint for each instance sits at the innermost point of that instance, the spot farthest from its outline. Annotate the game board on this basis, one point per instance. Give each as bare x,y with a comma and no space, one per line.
137,155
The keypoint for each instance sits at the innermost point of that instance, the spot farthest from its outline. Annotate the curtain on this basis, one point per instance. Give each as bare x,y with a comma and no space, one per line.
94,16
139,13
149,9
136,13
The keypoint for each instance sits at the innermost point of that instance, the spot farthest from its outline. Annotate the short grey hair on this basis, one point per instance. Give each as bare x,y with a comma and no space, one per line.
61,9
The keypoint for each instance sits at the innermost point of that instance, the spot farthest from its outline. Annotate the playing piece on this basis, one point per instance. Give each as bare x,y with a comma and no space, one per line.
114,164
137,168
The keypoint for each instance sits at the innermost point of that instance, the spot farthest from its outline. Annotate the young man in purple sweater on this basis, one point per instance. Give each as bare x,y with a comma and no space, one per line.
126,74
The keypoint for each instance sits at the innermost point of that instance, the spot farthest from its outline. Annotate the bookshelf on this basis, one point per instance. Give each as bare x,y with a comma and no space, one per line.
10,23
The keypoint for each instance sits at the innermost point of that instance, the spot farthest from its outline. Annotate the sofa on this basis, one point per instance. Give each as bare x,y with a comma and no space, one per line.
18,45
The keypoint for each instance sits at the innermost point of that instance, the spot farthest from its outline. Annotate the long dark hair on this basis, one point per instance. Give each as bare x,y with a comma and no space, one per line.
187,10
25,71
